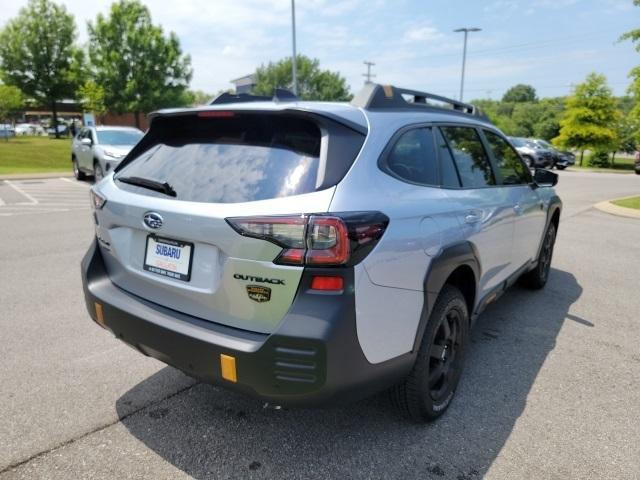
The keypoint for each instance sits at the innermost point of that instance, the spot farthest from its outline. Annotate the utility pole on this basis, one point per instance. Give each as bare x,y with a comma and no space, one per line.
464,54
294,66
368,75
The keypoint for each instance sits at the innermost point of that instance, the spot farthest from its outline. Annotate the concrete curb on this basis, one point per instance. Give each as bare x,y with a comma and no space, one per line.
31,176
595,170
612,209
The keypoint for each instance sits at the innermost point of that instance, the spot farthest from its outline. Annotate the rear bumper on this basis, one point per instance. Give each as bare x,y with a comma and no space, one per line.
312,358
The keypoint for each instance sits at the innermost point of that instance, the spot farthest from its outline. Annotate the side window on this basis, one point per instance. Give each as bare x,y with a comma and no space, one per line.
470,157
413,158
449,174
512,170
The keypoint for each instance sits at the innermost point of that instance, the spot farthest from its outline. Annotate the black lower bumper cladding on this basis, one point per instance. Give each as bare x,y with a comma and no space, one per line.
312,358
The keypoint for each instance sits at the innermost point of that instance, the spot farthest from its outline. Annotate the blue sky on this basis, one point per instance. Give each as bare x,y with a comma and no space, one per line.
550,44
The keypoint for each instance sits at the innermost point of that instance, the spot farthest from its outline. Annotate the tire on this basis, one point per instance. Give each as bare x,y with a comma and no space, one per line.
98,173
561,167
537,278
76,169
441,357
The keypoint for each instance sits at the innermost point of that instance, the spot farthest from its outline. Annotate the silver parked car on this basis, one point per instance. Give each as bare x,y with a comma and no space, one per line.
561,159
312,252
98,150
533,155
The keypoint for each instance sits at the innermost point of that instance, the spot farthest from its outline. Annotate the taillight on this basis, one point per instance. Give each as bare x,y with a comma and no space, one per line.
97,200
315,239
327,241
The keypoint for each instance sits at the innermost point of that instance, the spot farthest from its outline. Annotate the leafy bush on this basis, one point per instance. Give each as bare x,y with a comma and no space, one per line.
599,159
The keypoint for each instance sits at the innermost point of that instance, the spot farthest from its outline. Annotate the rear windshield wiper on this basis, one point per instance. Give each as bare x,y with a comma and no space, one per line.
149,184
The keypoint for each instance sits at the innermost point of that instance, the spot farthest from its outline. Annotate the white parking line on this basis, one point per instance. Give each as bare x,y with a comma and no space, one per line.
22,192
44,196
75,182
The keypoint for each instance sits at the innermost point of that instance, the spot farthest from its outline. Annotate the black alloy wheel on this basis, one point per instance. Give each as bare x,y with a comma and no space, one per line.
427,391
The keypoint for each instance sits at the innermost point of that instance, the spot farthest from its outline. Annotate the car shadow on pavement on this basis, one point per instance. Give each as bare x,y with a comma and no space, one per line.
209,432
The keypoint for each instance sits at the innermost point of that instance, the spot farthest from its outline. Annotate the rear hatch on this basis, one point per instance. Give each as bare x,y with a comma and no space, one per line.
172,229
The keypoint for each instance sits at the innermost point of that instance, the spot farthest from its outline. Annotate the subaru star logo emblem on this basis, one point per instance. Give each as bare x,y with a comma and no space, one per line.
152,220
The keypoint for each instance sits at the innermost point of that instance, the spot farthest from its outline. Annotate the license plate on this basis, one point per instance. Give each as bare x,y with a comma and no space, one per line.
171,258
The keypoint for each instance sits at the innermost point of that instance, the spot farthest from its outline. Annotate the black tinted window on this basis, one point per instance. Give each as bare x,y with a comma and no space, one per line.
449,175
512,170
228,160
470,157
413,158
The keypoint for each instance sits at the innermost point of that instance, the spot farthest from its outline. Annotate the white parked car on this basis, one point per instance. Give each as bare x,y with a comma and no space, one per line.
98,150
29,129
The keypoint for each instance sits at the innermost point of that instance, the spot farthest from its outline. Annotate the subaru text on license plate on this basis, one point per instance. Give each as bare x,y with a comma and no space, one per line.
171,258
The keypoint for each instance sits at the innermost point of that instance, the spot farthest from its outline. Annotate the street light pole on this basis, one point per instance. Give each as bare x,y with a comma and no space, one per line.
294,67
464,54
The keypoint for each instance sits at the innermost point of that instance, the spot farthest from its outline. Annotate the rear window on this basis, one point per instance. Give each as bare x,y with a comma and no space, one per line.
118,137
238,158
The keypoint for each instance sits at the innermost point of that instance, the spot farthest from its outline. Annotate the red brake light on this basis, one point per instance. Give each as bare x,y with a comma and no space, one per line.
327,283
316,240
215,113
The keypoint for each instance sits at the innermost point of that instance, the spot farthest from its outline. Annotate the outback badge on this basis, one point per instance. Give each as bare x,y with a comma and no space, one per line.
259,293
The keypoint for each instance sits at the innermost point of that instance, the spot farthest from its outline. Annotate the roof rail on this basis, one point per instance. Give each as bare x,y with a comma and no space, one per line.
374,96
279,95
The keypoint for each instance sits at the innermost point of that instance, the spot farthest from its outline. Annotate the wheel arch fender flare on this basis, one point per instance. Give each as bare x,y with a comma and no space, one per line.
555,206
463,254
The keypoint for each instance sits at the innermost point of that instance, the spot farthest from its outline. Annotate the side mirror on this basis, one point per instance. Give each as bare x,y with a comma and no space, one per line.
545,178
86,141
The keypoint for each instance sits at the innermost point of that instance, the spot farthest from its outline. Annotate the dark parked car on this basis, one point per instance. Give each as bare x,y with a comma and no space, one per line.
561,159
637,163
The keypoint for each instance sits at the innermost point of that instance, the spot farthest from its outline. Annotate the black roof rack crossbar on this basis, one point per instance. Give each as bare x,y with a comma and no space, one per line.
279,95
374,96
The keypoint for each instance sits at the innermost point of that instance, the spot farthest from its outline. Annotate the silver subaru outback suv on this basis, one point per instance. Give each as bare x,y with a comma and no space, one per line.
311,252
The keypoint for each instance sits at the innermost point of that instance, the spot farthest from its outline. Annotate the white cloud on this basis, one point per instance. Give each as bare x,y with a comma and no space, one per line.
422,34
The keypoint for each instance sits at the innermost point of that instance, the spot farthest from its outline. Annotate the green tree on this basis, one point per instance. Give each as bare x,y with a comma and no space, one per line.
589,117
520,93
526,116
634,74
626,129
313,83
139,67
10,102
548,124
498,114
91,96
38,53
200,98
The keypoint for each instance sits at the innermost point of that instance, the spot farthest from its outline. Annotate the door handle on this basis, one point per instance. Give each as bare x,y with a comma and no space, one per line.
473,217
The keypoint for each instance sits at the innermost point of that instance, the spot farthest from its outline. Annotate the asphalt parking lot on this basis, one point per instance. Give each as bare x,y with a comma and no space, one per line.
551,387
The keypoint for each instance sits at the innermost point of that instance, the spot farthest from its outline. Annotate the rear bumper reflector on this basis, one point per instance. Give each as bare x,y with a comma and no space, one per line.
228,367
331,284
99,314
